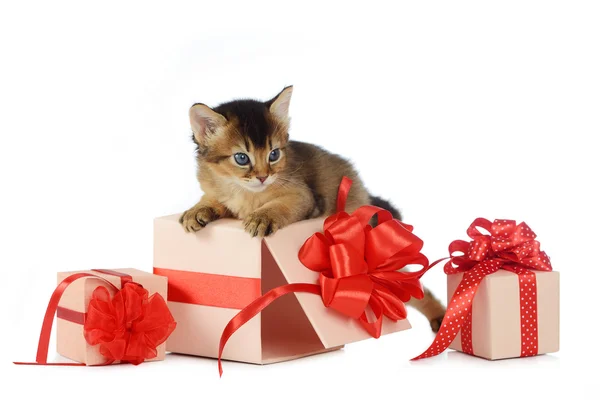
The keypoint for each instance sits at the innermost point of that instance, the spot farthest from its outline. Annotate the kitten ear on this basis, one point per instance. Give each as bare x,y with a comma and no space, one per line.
280,104
204,121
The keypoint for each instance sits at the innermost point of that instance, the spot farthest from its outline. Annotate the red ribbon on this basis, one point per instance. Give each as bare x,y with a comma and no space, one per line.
359,268
211,290
127,327
508,246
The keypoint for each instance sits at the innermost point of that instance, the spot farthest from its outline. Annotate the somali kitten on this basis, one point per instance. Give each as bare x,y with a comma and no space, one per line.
249,169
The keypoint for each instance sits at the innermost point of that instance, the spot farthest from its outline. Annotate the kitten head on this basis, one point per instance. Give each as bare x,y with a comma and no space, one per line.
243,141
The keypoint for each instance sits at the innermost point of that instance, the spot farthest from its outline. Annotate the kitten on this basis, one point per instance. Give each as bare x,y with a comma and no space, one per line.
249,169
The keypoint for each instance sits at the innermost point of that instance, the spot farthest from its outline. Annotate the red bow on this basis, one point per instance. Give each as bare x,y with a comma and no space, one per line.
130,326
507,246
358,265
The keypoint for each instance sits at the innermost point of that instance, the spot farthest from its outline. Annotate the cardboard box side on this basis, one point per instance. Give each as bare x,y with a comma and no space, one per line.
222,248
286,331
199,330
548,290
70,341
504,315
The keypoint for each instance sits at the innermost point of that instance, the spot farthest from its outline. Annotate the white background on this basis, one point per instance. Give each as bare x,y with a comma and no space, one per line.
453,110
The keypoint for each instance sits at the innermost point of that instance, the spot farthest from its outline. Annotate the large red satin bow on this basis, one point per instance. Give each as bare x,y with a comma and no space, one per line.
127,327
130,326
507,245
359,268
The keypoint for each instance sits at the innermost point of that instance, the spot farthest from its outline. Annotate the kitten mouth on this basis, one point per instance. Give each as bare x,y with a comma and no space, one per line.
256,188
259,187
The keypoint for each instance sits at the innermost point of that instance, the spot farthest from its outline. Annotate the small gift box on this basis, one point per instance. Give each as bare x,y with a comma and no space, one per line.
503,297
509,319
346,283
108,316
89,319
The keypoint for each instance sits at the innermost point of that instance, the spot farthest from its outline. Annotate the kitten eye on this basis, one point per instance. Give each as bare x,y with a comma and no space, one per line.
274,156
241,158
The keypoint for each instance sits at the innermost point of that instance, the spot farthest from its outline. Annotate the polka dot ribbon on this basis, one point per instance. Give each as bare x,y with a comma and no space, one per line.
507,246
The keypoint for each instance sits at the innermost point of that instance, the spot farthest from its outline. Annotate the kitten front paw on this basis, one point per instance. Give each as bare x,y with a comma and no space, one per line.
260,223
196,218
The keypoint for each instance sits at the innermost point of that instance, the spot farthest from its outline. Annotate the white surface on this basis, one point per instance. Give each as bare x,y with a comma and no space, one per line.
453,110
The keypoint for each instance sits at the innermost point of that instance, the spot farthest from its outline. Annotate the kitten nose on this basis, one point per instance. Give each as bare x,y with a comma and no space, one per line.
262,179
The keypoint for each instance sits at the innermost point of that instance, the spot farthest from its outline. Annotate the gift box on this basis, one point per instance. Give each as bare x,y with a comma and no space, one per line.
106,317
100,288
219,270
497,329
222,280
503,296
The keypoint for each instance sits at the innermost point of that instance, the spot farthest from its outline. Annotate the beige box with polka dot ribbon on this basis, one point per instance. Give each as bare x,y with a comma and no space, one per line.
498,330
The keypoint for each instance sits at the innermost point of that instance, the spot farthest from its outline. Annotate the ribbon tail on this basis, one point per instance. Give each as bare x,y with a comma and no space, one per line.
108,362
421,272
436,262
343,191
373,328
44,341
55,364
252,309
458,311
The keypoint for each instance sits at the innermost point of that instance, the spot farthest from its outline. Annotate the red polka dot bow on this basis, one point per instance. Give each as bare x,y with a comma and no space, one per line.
506,246
508,243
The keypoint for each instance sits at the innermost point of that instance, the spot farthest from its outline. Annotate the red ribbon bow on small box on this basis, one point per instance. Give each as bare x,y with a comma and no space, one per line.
128,328
507,246
359,268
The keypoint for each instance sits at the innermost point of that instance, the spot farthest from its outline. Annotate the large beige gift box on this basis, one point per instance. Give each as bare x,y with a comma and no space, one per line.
219,270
